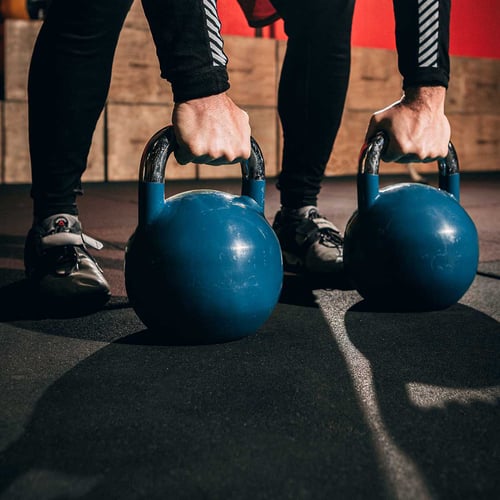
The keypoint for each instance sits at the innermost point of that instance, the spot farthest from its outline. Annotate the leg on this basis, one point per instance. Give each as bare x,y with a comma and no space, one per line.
68,84
311,97
312,92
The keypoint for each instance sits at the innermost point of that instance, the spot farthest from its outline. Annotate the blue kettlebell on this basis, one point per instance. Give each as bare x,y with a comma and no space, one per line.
410,246
202,266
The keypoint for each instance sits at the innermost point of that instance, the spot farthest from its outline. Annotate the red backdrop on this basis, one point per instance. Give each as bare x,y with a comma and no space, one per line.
472,31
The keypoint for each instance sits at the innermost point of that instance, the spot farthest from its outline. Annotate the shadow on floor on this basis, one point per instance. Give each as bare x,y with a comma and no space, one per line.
267,416
437,382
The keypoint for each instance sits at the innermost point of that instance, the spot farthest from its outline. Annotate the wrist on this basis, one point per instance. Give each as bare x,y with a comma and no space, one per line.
203,103
431,97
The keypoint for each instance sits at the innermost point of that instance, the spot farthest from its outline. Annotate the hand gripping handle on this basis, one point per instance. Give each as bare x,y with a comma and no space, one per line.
369,163
153,167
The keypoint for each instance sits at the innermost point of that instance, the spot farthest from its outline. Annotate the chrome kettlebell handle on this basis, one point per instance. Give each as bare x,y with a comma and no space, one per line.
369,164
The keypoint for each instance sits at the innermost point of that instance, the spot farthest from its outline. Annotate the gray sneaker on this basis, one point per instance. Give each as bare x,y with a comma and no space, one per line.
309,242
58,263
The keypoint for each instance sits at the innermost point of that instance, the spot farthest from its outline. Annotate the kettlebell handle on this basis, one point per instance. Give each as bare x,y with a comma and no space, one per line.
163,143
369,164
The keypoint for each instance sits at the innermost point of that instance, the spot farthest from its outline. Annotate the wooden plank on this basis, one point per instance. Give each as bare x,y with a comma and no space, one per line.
474,86
374,81
280,56
2,140
20,36
476,138
136,18
16,152
129,129
252,70
263,121
136,72
95,171
343,160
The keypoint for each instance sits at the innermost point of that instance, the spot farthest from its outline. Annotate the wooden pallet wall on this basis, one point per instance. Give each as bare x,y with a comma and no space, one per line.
140,103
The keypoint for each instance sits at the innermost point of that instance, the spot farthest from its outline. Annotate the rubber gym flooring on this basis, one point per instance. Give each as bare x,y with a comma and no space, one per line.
328,400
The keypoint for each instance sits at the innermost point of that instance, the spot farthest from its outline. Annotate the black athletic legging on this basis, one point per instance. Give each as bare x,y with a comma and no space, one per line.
70,74
68,84
312,91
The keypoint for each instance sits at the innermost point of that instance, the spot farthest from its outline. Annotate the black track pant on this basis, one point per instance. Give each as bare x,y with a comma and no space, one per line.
312,91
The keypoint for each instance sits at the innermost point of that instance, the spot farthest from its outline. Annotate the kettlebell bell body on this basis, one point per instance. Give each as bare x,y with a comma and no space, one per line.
410,246
202,266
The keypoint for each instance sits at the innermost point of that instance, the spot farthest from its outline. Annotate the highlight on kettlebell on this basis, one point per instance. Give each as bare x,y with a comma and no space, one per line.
202,266
410,246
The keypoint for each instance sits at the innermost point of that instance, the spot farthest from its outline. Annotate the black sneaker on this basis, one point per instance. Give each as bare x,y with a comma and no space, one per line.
309,242
60,267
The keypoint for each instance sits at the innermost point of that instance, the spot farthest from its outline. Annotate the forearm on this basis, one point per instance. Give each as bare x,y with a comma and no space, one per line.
422,39
189,46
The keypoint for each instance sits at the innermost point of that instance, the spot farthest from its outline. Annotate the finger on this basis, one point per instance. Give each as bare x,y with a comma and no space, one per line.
407,158
183,156
430,160
412,158
220,161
